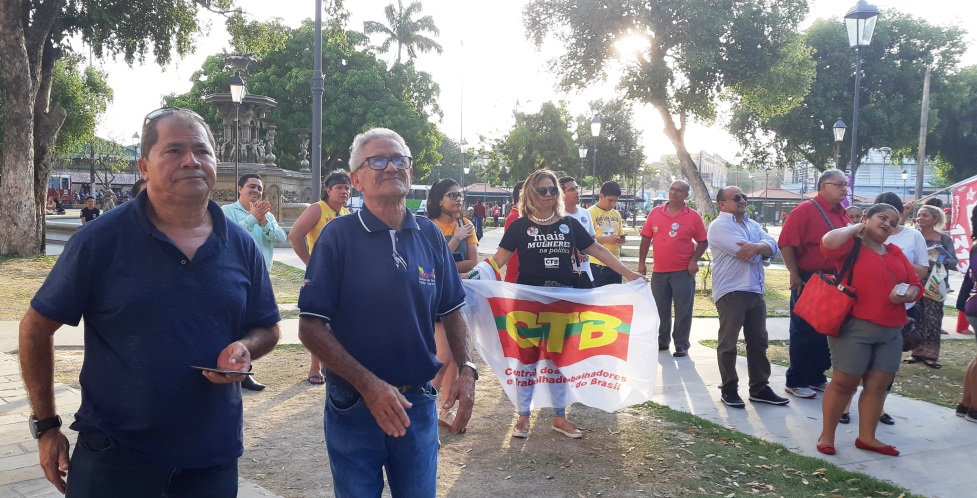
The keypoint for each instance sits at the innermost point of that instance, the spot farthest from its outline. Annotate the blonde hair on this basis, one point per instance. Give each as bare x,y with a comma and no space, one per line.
936,213
530,202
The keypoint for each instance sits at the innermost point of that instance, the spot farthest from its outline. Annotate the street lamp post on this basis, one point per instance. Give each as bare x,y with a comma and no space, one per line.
238,91
905,176
766,194
885,158
839,129
582,151
595,132
135,156
860,22
462,148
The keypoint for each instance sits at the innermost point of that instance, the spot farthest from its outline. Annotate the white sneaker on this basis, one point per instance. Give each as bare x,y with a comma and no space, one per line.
801,392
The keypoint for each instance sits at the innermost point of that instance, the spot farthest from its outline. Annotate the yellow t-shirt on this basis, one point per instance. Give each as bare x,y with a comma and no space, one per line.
606,223
326,214
448,230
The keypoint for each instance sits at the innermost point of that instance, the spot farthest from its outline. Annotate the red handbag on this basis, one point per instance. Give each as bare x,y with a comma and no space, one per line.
827,300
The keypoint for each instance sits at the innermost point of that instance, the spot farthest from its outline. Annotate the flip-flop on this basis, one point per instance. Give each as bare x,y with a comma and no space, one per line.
317,380
934,365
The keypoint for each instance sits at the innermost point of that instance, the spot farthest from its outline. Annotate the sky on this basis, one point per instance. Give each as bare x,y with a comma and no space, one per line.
486,70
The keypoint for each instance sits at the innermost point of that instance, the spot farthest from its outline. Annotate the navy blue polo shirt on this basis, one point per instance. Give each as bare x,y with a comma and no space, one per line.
382,308
150,313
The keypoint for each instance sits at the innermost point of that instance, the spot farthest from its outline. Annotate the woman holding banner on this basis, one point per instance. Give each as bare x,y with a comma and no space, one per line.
545,240
444,208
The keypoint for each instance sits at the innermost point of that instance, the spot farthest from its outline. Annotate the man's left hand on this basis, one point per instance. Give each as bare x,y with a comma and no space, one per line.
234,357
462,391
259,210
747,250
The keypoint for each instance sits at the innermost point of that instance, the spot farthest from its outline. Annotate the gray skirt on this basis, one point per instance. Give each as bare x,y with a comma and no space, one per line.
862,346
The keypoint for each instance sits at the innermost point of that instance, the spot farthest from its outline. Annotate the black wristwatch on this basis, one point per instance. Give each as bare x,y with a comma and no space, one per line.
471,366
39,426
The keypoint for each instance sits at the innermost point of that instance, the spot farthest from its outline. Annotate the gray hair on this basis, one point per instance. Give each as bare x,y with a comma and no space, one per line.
828,174
356,149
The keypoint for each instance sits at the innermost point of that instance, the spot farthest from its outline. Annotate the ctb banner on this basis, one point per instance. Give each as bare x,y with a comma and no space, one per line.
556,346
964,200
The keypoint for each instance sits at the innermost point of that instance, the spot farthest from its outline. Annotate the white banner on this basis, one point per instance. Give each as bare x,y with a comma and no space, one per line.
557,346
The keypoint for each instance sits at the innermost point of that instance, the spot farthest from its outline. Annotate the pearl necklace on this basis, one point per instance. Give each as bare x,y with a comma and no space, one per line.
542,220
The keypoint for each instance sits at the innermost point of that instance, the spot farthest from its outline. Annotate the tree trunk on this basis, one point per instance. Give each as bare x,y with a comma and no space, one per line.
689,170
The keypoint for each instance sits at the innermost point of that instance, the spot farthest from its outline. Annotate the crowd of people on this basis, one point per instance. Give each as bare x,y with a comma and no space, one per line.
381,310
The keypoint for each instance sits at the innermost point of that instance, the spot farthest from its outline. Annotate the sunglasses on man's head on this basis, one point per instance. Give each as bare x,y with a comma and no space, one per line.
542,191
166,111
455,195
380,162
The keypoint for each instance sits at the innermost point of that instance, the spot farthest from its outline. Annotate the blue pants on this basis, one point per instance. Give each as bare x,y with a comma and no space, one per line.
808,350
524,396
98,469
359,450
677,286
478,221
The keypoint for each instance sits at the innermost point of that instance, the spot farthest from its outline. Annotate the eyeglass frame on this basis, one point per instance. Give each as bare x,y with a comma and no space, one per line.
454,195
388,160
542,191
843,185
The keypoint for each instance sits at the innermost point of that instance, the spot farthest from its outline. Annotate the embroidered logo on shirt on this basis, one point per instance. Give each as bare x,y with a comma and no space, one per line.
551,262
425,275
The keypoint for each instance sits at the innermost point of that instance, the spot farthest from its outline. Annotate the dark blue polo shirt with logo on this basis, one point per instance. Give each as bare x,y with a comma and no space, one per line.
380,290
150,313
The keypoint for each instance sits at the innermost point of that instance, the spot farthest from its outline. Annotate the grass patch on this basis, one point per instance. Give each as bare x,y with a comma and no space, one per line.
941,387
22,278
730,463
286,280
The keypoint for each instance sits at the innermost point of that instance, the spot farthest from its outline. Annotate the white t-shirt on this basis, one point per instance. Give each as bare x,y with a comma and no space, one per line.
913,245
583,216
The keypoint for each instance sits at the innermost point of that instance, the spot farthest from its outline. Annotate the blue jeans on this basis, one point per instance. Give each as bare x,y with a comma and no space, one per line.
808,349
99,469
359,450
677,287
524,396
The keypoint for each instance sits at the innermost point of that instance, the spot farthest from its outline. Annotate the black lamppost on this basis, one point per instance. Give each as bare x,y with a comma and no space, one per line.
860,22
839,129
135,156
238,91
885,158
595,132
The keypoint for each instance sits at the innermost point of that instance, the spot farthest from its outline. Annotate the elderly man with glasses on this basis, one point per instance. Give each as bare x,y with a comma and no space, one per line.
165,283
740,248
800,245
374,284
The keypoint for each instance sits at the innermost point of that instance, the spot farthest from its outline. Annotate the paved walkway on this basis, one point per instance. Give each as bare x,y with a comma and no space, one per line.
937,447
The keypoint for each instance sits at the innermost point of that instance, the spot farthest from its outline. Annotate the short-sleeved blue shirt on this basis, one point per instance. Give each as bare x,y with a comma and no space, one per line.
382,308
150,313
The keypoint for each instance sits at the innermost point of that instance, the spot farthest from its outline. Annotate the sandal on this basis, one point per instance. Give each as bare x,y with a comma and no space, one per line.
932,364
317,380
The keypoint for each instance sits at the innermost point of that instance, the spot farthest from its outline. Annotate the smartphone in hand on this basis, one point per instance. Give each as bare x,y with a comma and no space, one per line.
222,371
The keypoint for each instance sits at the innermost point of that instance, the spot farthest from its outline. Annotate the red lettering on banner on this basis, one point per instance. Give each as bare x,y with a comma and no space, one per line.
964,200
563,332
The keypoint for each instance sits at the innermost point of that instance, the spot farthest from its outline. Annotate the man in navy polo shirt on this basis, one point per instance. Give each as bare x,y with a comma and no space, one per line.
164,283
374,284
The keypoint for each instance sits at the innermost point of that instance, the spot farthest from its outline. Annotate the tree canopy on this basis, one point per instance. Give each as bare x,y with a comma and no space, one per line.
404,30
359,93
33,36
696,54
891,92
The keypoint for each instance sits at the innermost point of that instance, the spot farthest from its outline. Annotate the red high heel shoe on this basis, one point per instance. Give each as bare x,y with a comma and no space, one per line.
885,450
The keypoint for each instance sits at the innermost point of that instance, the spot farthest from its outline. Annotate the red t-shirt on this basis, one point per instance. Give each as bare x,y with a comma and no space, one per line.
672,237
875,276
804,228
480,210
512,266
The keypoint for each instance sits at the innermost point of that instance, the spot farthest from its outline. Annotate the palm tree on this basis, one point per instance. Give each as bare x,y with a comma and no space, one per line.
406,31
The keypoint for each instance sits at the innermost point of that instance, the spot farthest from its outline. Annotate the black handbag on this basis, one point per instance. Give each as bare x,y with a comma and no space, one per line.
579,279
912,337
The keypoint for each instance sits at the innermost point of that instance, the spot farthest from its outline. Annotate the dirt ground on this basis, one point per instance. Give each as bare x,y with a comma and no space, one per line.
285,448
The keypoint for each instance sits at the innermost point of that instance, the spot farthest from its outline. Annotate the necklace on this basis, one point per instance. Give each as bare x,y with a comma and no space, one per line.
542,220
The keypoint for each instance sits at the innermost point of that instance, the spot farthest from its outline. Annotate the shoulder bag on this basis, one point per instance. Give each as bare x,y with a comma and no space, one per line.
579,279
827,300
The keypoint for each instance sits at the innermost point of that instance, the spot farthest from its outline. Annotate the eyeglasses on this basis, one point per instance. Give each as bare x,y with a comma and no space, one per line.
838,184
166,111
455,195
739,197
542,191
380,162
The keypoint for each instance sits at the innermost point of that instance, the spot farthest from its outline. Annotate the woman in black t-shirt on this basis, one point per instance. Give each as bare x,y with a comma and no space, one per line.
542,237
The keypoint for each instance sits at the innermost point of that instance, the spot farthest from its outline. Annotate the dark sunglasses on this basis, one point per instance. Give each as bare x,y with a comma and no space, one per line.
455,195
166,111
380,162
542,191
740,197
